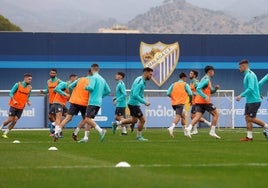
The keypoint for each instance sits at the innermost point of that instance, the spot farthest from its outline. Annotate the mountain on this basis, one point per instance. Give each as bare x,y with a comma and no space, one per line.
179,16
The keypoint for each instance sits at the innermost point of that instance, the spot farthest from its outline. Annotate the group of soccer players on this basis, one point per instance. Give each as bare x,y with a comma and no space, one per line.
199,94
85,95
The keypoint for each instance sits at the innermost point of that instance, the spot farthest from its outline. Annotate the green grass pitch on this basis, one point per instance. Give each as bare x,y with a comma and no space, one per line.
160,162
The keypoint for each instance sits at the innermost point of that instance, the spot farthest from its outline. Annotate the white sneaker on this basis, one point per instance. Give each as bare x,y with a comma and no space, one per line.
195,131
188,133
185,132
214,135
170,132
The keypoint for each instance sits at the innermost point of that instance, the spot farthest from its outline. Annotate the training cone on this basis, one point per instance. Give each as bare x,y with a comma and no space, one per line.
52,148
16,141
122,164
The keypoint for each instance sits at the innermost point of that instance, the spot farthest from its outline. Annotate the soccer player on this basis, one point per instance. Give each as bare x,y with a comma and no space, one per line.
179,93
120,103
193,84
59,104
19,97
78,103
203,102
51,85
253,100
135,99
98,89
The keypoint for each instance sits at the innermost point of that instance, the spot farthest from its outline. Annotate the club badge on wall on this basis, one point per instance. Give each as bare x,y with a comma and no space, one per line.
162,58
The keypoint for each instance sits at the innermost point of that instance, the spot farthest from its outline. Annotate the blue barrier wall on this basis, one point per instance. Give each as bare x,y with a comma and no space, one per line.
70,53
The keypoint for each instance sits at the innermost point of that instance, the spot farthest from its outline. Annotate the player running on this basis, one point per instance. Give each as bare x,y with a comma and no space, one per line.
135,99
179,93
203,102
193,85
120,103
59,104
253,100
78,103
51,85
19,97
98,89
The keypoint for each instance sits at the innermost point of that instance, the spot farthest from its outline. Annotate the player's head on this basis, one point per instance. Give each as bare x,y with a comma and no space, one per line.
193,74
119,76
209,70
243,65
183,76
27,78
95,68
53,73
147,73
89,72
72,77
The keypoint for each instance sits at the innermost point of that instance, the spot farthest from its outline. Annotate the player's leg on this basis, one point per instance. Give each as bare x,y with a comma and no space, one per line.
14,115
58,129
251,110
119,117
199,111
178,110
215,116
91,112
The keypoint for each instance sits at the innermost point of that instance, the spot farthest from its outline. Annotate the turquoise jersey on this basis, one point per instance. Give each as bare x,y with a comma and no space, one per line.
137,92
262,82
251,86
98,89
15,88
120,94
61,87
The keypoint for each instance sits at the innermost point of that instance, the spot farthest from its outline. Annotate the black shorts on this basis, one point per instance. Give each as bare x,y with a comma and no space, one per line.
74,109
178,109
193,109
204,107
15,112
135,111
56,108
120,111
251,109
92,111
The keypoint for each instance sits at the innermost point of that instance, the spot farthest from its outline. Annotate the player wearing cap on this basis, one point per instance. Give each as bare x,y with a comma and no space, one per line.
253,100
178,93
203,102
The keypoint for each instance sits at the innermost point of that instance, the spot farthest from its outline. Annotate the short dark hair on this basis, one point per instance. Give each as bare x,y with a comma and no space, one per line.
195,73
27,75
148,69
244,61
182,75
208,68
121,74
54,70
72,75
94,65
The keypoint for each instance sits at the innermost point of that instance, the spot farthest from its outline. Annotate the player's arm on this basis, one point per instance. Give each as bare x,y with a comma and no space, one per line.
13,91
107,90
123,95
73,84
29,95
189,91
170,90
60,87
262,82
136,93
90,87
214,89
250,86
200,86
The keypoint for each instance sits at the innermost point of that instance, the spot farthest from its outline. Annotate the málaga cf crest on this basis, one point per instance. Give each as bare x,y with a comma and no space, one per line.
162,58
